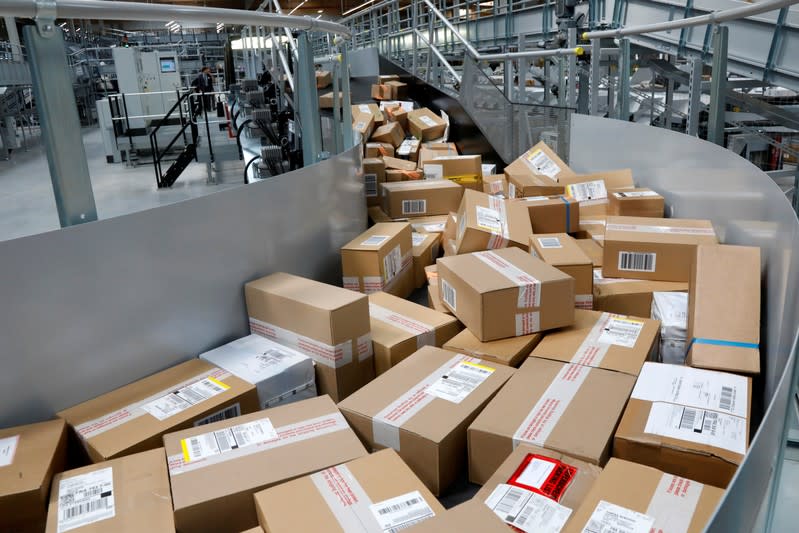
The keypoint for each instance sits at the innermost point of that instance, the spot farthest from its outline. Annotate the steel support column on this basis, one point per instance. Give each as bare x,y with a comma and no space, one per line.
572,62
694,97
594,77
346,115
623,108
308,102
718,86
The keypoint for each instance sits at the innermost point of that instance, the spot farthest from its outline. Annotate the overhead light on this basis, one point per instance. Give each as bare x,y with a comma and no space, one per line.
63,24
298,6
370,2
321,11
486,4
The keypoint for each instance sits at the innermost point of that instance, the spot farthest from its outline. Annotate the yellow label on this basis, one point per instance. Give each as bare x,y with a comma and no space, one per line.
531,155
628,320
478,365
185,448
226,387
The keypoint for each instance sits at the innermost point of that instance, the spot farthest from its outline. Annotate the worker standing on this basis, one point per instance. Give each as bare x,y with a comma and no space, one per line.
204,83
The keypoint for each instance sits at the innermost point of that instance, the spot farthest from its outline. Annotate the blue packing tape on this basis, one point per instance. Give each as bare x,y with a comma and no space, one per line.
721,342
568,214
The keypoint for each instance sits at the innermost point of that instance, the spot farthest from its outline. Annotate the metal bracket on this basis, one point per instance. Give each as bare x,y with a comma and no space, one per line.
46,12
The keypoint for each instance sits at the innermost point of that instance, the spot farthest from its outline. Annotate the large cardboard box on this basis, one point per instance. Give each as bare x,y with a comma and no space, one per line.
421,198
561,251
465,170
399,90
724,309
328,324
422,407
495,184
505,293
653,248
591,190
469,516
633,497
380,259
537,172
391,133
510,352
29,457
426,125
401,327
567,408
216,469
631,297
603,340
374,175
488,222
133,418
687,421
638,202
126,494
280,374
425,252
364,124
397,113
552,214
377,492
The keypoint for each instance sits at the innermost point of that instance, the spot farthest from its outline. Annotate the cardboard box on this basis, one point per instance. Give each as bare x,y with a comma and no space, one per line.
426,125
377,492
561,251
567,408
399,164
391,133
430,151
422,407
434,224
495,184
505,293
509,352
29,457
468,516
381,92
593,250
326,100
629,495
537,172
376,215
323,78
592,228
420,198
125,494
631,297
400,328
425,252
380,259
603,340
395,175
464,170
280,374
213,482
434,300
409,149
364,124
328,324
487,222
133,418
552,214
687,422
671,309
385,78
399,90
591,190
639,202
724,309
374,109
653,248
398,114
374,174
375,149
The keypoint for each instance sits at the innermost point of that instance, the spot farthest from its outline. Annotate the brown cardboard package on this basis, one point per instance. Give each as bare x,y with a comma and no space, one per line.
374,109
409,149
592,228
509,352
398,114
434,224
464,170
687,421
537,172
328,324
133,418
376,215
632,297
430,151
377,492
364,124
374,174
603,340
391,133
422,407
400,328
552,214
488,222
572,409
399,164
216,469
724,309
636,203
420,198
374,149
561,251
380,259
326,100
495,184
425,125
394,175
434,300
425,252
630,495
29,457
126,494
653,248
323,78
505,293
591,190
468,516
593,250
381,92
399,90
254,530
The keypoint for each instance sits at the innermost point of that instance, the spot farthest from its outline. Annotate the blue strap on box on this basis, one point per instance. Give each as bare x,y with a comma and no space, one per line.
568,213
721,342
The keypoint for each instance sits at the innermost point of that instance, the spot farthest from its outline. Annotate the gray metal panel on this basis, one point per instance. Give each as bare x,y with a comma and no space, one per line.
364,63
89,308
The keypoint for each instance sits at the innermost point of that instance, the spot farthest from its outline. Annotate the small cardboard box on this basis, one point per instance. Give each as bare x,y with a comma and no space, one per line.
280,374
561,251
488,222
464,170
537,172
469,516
364,124
29,457
509,352
328,324
495,184
593,250
422,407
216,469
552,214
400,328
125,494
374,174
591,190
425,252
724,309
380,259
374,109
567,408
399,90
653,248
409,149
398,114
326,100
632,297
323,78
687,421
426,125
630,495
391,133
399,164
381,92
133,418
505,293
603,340
374,149
420,198
636,203
377,492
395,175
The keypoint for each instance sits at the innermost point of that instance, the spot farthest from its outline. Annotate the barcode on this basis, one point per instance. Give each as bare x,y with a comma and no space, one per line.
398,506
508,501
594,526
448,294
370,180
635,261
190,395
414,207
216,388
710,423
688,419
196,449
549,242
222,441
84,508
726,399
524,515
406,525
225,414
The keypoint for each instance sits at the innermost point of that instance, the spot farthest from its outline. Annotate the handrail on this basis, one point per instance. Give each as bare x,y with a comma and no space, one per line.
439,56
157,156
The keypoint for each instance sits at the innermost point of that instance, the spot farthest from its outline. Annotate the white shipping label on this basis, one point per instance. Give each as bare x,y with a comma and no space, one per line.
8,448
417,238
529,287
489,219
370,183
536,473
434,228
611,518
621,331
549,242
85,499
375,240
588,191
185,397
526,510
499,239
449,295
227,439
540,163
401,512
433,172
511,190
674,503
527,323
635,194
325,354
414,207
360,126
667,230
425,333
364,108
392,264
346,499
638,261
460,381
427,121
701,426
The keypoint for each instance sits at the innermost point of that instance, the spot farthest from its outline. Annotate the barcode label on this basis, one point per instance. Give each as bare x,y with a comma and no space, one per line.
549,242
8,448
224,440
541,163
588,191
370,181
701,426
448,294
375,240
526,510
229,412
392,264
414,207
637,261
85,499
427,120
725,402
401,512
185,397
635,194
460,381
611,518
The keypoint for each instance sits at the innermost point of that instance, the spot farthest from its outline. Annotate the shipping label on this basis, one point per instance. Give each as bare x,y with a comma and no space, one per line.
370,182
501,238
460,381
540,163
526,510
414,207
589,192
549,242
8,449
325,354
543,475
185,397
710,428
621,331
433,172
638,261
401,512
449,295
375,240
489,219
635,194
427,121
611,518
85,499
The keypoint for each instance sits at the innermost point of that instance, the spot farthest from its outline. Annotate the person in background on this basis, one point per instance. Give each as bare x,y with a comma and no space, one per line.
204,83
124,43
